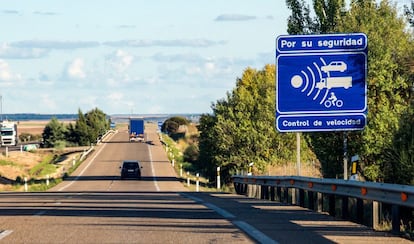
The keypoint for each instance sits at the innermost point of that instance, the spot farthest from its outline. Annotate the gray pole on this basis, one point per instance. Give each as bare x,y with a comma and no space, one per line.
345,156
298,152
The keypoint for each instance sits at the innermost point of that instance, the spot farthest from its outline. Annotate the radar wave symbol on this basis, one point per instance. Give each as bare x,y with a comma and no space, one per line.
307,79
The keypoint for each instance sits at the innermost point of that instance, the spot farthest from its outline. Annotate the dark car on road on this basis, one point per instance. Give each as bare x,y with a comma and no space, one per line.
131,169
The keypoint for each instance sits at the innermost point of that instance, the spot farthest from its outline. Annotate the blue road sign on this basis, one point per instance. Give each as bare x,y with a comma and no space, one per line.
321,82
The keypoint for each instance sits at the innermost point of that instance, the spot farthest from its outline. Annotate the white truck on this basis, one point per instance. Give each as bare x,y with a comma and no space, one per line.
8,133
333,82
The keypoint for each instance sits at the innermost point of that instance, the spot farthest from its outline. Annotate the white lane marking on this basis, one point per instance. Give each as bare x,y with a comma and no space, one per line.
211,206
248,229
253,232
5,233
154,178
220,211
83,171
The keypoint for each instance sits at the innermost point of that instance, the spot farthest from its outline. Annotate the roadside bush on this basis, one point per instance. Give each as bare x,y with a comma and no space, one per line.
191,153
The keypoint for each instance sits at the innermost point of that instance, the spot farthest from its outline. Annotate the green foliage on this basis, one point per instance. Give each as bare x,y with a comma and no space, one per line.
54,131
300,21
241,129
172,125
27,137
399,158
390,46
45,167
191,153
87,129
390,53
409,13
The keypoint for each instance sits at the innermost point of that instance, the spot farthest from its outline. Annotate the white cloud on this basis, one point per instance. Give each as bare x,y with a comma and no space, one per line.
7,77
115,97
75,69
8,52
120,60
234,17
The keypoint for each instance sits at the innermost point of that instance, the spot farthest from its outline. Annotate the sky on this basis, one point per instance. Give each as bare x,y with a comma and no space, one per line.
131,56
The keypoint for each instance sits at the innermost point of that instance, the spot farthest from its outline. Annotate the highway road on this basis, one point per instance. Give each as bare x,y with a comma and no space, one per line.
95,206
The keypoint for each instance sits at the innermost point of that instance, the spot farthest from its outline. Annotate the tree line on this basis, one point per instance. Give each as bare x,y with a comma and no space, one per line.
85,131
241,127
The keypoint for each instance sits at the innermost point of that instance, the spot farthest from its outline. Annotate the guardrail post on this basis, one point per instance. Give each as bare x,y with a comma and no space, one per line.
319,200
272,193
279,193
25,184
197,182
360,210
311,200
331,204
395,211
264,192
286,195
375,215
294,198
345,212
301,199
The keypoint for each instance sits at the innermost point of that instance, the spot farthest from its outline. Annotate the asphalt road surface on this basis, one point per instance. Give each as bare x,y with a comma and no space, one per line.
95,206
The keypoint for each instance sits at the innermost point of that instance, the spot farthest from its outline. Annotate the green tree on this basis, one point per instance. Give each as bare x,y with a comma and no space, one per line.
399,158
241,129
299,22
88,127
97,124
78,134
53,133
409,13
328,15
171,125
390,47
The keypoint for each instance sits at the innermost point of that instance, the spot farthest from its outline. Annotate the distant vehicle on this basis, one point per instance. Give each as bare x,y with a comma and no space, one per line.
136,130
8,133
333,82
130,169
334,66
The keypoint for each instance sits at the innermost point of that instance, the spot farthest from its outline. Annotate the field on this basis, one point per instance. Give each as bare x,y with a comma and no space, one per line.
34,127
21,163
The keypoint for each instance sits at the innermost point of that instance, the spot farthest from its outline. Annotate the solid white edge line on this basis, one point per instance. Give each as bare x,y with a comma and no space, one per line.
250,230
83,171
5,233
220,211
253,232
154,178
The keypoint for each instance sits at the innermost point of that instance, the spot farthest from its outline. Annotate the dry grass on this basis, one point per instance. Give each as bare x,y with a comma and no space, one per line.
34,127
20,163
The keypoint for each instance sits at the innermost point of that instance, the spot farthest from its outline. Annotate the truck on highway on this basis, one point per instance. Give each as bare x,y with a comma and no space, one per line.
8,133
136,130
334,82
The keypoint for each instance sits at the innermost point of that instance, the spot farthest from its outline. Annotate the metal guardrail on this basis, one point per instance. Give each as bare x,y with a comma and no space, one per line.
269,187
402,195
